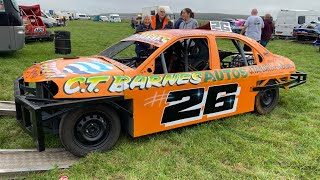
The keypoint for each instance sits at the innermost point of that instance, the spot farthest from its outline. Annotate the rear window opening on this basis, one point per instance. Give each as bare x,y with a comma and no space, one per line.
234,53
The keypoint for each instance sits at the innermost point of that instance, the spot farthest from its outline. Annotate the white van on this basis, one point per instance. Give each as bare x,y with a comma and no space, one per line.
287,20
114,18
103,18
151,11
81,16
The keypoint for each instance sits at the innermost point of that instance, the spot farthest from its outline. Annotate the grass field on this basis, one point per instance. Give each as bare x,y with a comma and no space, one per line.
282,145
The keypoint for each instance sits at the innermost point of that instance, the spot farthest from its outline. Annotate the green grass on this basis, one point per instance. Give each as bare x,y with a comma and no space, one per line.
281,145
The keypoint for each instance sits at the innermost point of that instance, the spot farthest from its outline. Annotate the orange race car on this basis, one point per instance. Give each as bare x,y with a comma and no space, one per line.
183,77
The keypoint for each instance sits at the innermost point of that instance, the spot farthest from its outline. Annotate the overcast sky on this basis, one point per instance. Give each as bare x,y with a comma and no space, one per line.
203,6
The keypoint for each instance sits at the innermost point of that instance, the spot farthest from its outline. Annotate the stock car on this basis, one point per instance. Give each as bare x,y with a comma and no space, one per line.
187,77
307,31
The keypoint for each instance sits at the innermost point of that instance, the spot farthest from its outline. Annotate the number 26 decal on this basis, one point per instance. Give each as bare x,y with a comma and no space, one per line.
186,105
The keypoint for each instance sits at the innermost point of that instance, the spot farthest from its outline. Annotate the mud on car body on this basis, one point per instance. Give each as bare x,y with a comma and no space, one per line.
191,76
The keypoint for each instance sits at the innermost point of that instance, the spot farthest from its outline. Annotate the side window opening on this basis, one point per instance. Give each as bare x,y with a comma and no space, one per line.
234,53
301,19
186,55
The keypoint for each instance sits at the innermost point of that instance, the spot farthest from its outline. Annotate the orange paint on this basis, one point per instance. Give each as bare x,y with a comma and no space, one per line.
150,92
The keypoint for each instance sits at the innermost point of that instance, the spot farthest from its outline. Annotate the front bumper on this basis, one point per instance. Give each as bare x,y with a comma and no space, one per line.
36,114
296,79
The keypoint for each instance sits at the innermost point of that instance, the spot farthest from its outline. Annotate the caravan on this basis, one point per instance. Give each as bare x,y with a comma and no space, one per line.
289,19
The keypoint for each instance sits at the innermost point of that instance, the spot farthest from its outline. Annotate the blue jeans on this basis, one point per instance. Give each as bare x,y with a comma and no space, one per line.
264,42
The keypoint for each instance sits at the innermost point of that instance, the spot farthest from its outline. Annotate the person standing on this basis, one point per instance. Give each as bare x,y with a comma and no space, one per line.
133,22
178,22
188,21
160,20
267,30
145,26
64,21
253,27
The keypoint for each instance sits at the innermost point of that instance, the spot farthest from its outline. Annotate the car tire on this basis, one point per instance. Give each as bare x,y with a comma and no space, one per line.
300,38
89,129
266,100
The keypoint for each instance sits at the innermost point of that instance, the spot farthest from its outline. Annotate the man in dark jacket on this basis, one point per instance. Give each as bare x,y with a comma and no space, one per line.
178,22
140,46
267,30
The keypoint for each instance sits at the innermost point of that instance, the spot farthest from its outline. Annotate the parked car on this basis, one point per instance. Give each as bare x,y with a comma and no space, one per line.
48,20
81,16
189,77
307,31
238,25
35,29
287,20
114,18
100,18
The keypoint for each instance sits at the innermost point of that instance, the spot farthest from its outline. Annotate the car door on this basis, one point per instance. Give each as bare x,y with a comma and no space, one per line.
237,65
180,94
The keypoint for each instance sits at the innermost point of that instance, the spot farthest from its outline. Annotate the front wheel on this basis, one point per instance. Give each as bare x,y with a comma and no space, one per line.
93,129
266,100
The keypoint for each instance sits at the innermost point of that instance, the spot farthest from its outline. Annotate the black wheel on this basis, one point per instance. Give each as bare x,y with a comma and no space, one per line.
267,100
92,129
300,38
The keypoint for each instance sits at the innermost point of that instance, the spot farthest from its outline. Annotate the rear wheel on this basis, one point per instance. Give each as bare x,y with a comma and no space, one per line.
267,100
93,129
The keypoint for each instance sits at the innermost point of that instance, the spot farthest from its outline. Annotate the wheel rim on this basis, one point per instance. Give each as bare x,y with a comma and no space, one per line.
92,129
268,97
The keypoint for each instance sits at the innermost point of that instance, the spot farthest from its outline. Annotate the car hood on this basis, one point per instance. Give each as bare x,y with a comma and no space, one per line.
84,77
66,68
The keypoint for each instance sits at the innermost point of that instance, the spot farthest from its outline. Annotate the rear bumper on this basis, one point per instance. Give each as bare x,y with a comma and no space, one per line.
34,114
36,37
296,79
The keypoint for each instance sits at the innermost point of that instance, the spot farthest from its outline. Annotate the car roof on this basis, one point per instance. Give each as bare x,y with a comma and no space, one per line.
177,33
161,37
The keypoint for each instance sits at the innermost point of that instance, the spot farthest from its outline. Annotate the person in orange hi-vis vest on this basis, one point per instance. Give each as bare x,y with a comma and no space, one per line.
160,20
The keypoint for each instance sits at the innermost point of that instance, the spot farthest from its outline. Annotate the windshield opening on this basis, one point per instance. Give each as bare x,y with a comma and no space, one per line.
129,53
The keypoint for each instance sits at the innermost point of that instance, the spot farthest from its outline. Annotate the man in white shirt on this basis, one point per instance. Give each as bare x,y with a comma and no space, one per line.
253,25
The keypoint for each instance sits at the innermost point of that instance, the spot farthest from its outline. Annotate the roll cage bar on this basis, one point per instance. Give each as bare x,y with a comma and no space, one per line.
236,43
